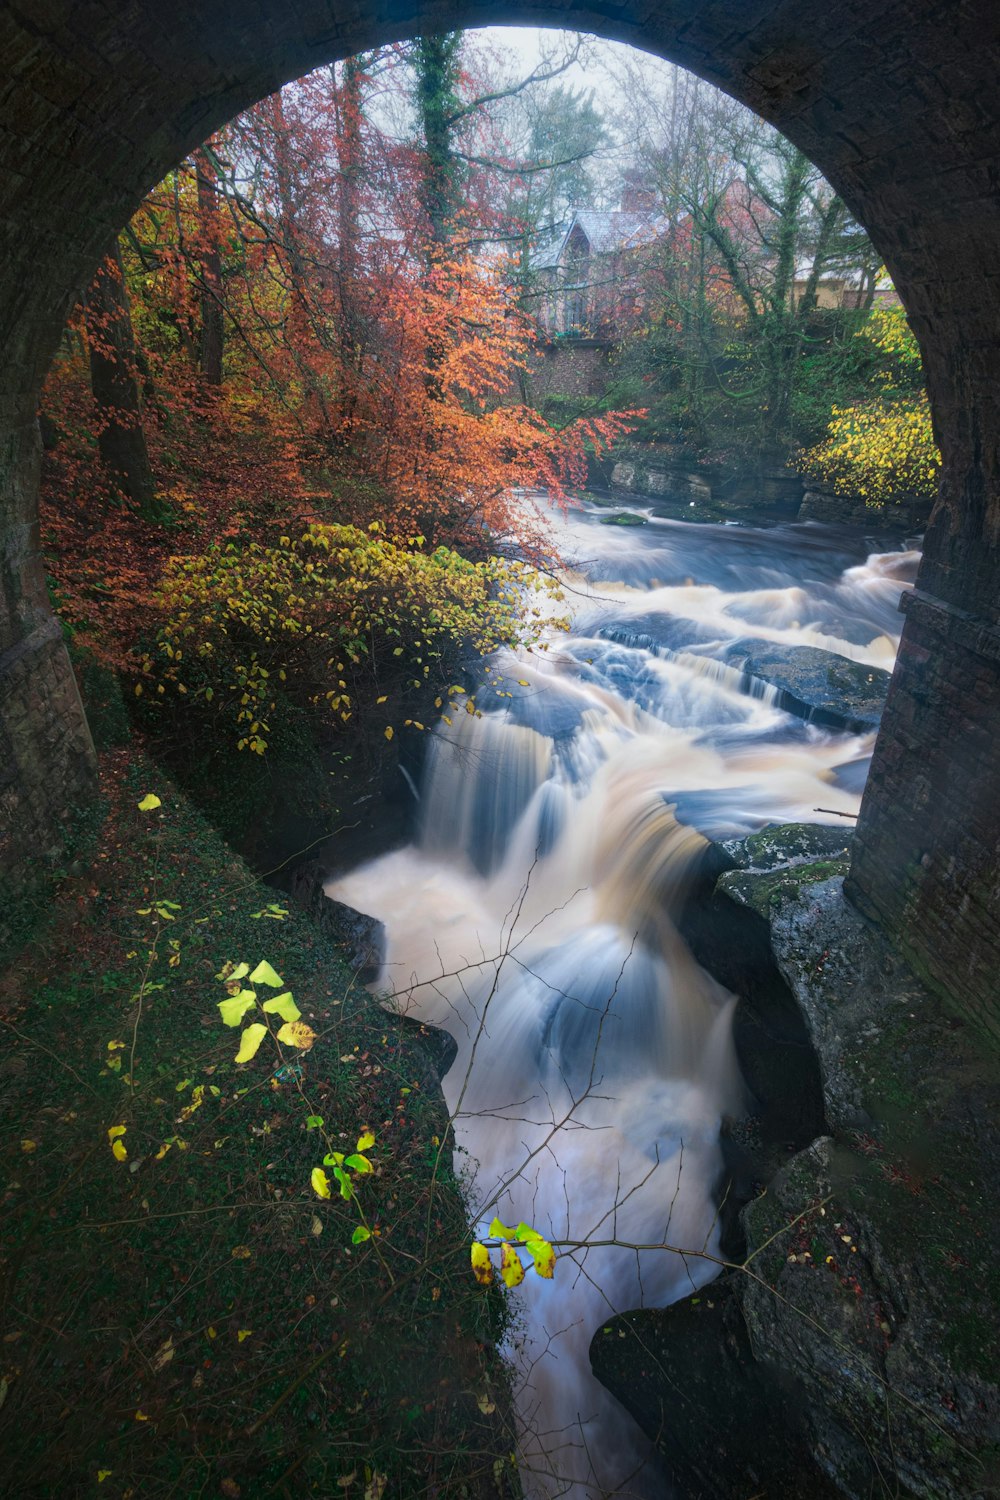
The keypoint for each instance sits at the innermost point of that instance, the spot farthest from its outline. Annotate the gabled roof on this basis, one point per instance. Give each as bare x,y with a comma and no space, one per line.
607,231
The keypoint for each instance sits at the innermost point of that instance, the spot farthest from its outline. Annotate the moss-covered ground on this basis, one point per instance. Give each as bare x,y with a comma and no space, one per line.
196,1321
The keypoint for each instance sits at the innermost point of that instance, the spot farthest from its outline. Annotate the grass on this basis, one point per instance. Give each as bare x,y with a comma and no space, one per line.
200,1323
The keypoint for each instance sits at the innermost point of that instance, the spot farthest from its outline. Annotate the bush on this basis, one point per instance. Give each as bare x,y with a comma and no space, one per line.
328,620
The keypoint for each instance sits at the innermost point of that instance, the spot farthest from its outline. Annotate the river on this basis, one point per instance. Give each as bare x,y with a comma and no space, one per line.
531,918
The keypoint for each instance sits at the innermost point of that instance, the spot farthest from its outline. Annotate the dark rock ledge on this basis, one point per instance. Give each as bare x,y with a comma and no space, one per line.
856,1354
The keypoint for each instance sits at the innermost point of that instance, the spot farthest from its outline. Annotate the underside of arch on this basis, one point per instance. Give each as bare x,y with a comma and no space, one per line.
895,100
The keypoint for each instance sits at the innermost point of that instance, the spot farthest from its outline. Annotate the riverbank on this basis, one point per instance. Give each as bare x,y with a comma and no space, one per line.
192,1317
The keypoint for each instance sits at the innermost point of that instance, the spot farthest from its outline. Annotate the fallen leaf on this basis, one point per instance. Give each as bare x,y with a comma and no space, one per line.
149,802
164,1354
243,1333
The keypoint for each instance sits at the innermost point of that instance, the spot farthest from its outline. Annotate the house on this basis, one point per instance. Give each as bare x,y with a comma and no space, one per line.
586,273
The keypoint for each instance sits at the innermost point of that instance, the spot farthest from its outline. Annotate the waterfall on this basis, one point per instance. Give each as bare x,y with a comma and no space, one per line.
534,917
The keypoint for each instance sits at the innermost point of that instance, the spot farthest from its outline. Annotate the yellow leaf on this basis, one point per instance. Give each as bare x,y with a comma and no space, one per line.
243,1333
149,802
499,1231
29,1146
481,1268
388,731
365,1141
140,1416
283,1006
102,1475
213,1333
511,1268
118,1151
320,1182
264,974
486,1406
250,1042
381,700
164,1354
242,1252
114,1131
297,1034
543,1255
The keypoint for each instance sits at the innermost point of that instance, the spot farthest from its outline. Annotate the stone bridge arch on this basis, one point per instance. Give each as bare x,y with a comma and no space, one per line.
895,100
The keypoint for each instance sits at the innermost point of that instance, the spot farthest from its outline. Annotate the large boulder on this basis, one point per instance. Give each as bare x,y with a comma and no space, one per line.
857,1328
820,686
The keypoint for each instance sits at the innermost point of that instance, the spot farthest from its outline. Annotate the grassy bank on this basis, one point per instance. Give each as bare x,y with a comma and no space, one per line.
195,1320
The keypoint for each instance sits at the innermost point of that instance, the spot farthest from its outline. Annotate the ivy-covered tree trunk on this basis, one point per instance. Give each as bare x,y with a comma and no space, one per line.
435,65
113,366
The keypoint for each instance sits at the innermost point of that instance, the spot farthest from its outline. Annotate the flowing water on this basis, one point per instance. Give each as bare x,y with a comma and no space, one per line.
532,919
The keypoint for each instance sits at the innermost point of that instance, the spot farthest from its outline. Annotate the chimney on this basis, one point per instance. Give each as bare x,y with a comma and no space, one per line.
638,194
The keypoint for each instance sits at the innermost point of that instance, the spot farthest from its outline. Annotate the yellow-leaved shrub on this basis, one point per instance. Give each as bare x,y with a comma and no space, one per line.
329,618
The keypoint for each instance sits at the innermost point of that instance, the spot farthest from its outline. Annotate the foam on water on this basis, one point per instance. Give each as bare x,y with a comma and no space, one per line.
533,918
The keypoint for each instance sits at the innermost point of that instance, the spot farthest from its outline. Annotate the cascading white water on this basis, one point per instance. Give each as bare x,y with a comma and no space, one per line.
532,919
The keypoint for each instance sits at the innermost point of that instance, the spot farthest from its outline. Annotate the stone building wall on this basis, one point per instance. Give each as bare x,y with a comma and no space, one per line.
569,367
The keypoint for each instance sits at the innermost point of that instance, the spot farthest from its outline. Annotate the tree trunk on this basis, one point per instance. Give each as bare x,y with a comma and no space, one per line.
212,306
435,63
121,438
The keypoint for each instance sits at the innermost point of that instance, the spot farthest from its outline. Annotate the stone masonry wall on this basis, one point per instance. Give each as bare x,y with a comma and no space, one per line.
47,760
895,102
571,367
926,860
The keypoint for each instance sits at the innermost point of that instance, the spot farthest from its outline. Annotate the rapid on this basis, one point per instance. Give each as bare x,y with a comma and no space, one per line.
533,917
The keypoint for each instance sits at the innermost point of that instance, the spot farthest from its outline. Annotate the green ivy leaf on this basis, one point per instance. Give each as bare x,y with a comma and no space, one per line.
314,1122
346,1186
358,1163
360,1235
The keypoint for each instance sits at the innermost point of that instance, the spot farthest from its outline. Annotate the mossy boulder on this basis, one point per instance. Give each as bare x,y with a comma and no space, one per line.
623,518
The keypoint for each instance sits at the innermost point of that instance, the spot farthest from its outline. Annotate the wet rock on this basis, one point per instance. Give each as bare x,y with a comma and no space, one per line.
790,844
726,1428
358,937
772,866
820,686
871,1293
